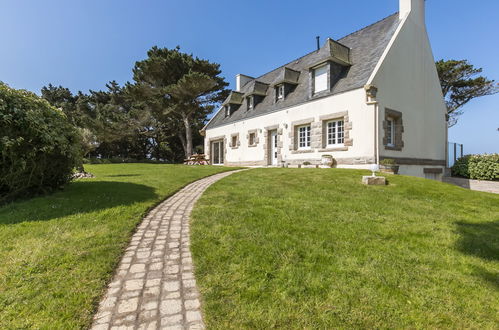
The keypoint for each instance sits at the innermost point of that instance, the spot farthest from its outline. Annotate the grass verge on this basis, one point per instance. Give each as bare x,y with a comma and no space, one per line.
57,252
316,249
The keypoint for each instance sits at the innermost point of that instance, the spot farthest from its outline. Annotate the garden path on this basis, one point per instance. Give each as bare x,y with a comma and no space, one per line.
154,285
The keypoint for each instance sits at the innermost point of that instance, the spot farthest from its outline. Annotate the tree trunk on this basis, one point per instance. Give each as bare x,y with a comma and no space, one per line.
188,135
181,136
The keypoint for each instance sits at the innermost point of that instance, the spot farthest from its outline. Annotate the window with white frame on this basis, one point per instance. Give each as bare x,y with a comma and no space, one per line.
227,111
304,136
251,102
335,133
280,92
390,132
320,78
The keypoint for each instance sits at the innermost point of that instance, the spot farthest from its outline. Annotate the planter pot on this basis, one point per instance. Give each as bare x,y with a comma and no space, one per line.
394,169
327,160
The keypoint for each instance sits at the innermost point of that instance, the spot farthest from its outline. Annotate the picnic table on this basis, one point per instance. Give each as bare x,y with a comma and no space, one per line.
197,159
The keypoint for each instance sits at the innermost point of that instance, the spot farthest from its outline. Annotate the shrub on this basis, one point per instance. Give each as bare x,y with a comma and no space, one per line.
480,167
38,146
387,162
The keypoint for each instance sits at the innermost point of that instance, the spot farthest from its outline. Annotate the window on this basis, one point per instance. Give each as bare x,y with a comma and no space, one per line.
335,133
390,132
280,92
234,141
251,102
252,137
304,136
320,79
227,111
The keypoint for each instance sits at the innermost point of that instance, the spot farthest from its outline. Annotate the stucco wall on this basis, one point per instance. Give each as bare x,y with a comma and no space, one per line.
407,82
361,134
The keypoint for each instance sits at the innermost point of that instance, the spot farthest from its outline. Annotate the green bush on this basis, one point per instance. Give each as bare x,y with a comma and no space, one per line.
38,147
480,167
387,162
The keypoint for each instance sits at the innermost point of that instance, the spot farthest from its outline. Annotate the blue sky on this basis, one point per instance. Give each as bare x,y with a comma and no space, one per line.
83,44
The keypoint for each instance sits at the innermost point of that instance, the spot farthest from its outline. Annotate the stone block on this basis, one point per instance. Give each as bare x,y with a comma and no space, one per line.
374,180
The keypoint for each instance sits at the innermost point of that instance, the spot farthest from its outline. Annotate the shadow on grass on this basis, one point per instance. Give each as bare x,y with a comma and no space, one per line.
480,240
78,197
121,175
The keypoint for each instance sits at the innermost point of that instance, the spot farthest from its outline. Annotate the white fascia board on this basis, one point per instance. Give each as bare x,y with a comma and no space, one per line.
387,49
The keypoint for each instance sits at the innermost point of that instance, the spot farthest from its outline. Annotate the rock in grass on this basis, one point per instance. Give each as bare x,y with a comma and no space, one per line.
374,180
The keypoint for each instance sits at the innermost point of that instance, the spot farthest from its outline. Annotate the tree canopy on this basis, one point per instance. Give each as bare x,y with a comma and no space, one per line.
157,116
460,84
179,89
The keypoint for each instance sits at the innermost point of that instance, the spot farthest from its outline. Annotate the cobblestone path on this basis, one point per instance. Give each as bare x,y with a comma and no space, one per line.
154,285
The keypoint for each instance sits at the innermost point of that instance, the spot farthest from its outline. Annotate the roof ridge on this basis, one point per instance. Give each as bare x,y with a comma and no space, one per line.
368,26
299,58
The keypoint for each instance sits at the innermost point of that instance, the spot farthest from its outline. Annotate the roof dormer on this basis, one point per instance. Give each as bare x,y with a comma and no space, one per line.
255,93
232,102
285,83
333,51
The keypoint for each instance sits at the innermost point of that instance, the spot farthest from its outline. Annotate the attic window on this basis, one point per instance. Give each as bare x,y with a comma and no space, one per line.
251,102
280,92
227,111
320,78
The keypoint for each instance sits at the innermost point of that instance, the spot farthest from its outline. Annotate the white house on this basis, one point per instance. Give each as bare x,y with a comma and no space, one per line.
371,95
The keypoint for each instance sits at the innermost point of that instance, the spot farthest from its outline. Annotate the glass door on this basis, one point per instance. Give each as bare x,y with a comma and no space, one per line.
217,152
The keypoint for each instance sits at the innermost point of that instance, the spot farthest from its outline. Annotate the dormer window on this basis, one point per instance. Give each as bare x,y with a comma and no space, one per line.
320,78
280,92
227,111
251,102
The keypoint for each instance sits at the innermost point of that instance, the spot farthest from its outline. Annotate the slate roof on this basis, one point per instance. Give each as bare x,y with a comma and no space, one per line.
366,47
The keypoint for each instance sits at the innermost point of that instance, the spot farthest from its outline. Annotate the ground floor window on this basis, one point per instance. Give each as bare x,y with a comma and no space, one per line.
252,139
335,133
304,136
390,132
217,152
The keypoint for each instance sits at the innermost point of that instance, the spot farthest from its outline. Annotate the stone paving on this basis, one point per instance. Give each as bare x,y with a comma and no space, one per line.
154,285
480,185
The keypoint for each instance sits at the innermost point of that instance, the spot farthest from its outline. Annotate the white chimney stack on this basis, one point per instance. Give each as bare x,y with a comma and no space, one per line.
242,80
414,8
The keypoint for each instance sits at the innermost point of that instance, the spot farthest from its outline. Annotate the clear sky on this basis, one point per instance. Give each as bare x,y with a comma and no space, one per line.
82,44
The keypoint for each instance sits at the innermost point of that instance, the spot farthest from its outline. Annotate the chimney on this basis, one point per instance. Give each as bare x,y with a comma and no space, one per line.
318,42
415,9
242,80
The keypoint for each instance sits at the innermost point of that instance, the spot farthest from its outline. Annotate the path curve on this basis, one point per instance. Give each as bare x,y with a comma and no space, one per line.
154,285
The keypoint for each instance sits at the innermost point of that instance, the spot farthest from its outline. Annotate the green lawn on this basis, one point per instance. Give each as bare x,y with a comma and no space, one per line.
57,252
316,249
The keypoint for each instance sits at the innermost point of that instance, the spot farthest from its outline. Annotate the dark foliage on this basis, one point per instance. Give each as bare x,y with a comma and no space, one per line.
460,84
38,145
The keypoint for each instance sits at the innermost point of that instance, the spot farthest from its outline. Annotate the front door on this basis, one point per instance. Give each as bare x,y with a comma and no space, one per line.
217,152
273,148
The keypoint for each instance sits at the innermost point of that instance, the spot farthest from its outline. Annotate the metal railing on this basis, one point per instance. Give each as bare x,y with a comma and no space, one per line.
455,151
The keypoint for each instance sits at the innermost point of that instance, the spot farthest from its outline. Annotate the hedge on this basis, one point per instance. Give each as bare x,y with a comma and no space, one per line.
38,146
480,167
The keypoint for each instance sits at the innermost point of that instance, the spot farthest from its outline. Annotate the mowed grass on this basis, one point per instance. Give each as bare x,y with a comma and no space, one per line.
57,252
316,249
